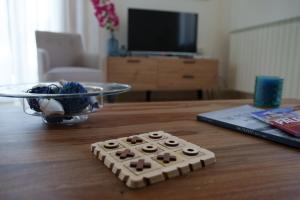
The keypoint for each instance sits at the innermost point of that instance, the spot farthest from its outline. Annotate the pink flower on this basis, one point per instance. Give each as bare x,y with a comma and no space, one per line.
100,9
111,7
105,14
95,2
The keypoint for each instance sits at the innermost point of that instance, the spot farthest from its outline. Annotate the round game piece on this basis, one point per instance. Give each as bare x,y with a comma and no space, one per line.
190,151
155,135
149,148
171,143
111,144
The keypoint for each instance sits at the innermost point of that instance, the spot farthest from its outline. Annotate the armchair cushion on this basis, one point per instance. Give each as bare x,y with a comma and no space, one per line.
71,73
61,56
63,48
89,60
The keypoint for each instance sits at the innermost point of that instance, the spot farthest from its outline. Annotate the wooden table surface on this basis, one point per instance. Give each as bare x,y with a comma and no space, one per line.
54,162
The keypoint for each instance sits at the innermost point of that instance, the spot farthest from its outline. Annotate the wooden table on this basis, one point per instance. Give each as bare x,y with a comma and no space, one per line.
40,162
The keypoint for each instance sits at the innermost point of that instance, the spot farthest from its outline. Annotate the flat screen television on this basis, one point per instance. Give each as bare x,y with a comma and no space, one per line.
162,31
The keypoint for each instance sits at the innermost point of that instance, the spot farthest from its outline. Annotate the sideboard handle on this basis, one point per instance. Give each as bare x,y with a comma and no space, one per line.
133,61
189,61
188,76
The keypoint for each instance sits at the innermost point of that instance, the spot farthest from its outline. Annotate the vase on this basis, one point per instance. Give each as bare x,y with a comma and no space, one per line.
113,45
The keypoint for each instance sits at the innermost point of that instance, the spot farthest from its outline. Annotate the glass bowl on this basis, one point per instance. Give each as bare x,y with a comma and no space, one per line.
63,108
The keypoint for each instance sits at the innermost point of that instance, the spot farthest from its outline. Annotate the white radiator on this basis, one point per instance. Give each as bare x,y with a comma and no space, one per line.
271,49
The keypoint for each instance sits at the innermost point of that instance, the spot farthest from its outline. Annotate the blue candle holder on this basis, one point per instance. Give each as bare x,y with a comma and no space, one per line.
268,91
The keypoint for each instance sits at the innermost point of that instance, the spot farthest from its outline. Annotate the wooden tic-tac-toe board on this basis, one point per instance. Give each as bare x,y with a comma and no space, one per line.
148,158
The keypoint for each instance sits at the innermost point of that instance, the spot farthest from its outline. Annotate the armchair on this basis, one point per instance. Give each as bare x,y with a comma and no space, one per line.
61,56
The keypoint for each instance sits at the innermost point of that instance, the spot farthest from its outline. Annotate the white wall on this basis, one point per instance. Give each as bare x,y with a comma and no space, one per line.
246,13
267,49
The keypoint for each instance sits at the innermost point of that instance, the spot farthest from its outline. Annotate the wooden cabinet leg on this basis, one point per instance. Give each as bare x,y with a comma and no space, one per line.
208,94
204,95
199,94
212,94
148,95
111,98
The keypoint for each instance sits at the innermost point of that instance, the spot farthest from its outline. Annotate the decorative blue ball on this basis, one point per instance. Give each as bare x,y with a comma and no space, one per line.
73,105
34,102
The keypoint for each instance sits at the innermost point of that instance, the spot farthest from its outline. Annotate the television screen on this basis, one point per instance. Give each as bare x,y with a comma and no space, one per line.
150,30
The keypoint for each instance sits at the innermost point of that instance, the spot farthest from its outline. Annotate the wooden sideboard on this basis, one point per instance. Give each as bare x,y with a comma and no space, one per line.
153,74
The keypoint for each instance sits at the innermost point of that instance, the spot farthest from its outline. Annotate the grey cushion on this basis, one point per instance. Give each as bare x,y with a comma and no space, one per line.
74,74
61,56
63,48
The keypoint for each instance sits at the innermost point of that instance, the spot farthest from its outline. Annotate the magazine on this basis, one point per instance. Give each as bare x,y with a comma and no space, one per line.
240,119
286,119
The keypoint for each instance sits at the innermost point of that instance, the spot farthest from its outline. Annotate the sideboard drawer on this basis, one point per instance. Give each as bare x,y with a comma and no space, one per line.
140,73
187,74
131,61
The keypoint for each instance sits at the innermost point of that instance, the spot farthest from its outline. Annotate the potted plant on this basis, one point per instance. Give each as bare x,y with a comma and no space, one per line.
107,18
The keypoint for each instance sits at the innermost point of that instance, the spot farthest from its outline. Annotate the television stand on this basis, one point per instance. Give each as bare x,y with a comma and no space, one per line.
162,54
163,73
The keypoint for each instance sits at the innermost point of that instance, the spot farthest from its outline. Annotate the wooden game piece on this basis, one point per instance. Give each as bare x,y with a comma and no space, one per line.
207,158
184,169
111,144
140,165
108,160
171,172
125,154
154,177
149,178
94,147
171,143
195,164
190,151
149,148
166,157
156,159
155,135
134,140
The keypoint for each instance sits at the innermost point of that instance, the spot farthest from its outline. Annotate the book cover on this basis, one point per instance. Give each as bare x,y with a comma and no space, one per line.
285,119
240,119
